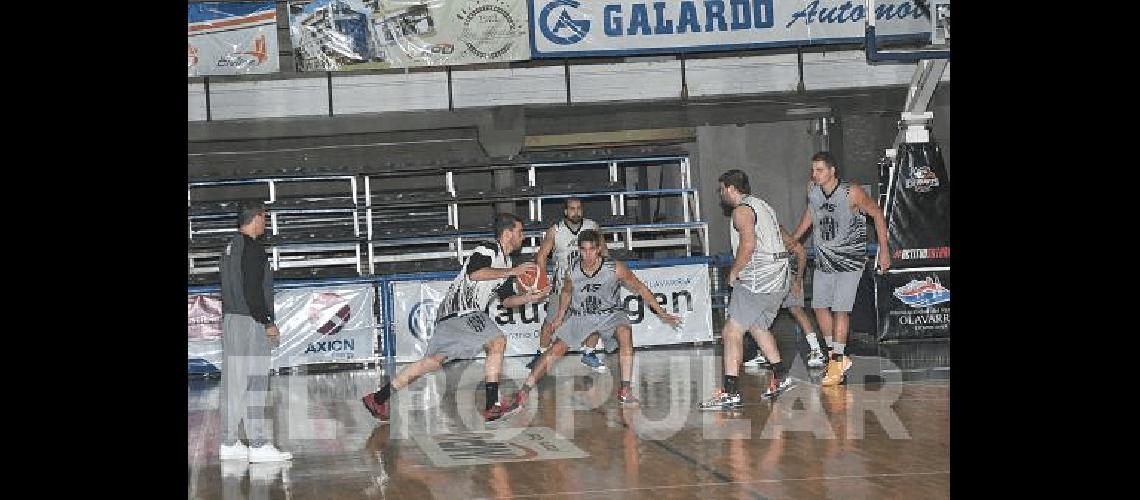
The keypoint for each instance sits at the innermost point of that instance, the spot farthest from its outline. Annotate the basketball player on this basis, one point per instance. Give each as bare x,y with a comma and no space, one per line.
794,303
463,326
590,304
836,210
561,239
759,278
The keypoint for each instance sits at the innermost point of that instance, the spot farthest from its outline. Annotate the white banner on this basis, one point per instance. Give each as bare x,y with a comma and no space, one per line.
681,290
370,34
230,38
323,325
569,28
318,325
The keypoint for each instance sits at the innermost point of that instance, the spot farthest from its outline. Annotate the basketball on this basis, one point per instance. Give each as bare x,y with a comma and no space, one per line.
529,281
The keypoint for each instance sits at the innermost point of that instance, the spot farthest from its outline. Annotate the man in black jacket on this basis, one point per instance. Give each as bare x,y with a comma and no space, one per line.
248,334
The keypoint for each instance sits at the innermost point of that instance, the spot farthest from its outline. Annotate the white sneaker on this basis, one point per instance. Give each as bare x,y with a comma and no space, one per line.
270,472
783,386
815,359
757,361
722,401
268,453
237,451
234,469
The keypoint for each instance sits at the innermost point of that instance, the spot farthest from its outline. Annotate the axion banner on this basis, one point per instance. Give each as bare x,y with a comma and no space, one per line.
317,325
327,324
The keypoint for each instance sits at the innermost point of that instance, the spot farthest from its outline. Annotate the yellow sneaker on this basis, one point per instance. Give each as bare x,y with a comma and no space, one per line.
836,371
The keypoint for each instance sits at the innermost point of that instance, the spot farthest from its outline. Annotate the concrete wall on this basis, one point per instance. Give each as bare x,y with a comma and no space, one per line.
775,157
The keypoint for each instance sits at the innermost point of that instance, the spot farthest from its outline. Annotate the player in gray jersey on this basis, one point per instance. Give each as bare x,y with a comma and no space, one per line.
560,245
591,304
463,326
759,278
836,212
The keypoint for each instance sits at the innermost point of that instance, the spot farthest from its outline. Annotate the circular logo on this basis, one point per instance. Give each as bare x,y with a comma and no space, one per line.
421,321
489,30
564,30
330,311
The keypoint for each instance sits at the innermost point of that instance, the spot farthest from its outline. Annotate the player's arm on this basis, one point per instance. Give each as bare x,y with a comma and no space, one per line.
545,248
805,221
630,281
513,300
563,302
801,258
861,199
479,268
744,220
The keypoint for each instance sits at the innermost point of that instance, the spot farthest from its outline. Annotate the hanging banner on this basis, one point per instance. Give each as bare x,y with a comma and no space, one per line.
863,316
681,290
570,28
231,38
204,317
204,333
914,305
323,325
918,208
331,35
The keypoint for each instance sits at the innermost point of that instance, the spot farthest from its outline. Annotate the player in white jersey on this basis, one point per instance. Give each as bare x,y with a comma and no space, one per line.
794,303
560,244
463,326
760,279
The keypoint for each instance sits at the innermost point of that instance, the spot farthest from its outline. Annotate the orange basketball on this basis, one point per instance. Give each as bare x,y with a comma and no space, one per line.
529,281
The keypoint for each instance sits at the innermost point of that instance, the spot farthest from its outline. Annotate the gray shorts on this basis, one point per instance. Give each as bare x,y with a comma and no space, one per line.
575,329
835,290
793,299
462,337
749,308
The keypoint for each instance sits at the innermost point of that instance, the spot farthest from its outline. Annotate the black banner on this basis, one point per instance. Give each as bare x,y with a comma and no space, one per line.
914,305
862,317
918,211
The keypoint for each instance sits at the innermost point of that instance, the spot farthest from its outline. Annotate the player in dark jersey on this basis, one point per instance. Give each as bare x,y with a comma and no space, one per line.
463,326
